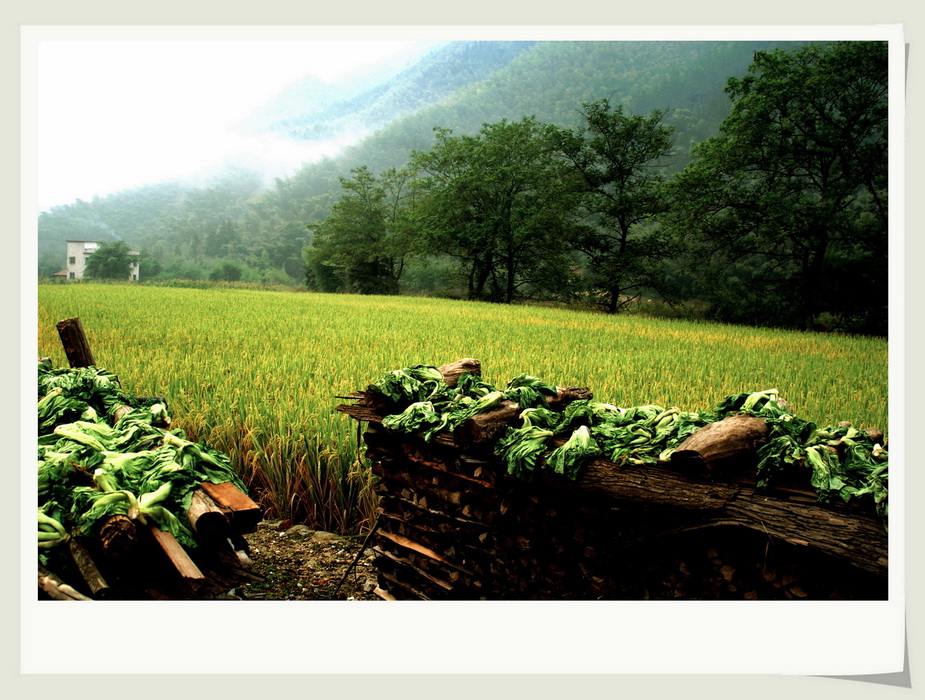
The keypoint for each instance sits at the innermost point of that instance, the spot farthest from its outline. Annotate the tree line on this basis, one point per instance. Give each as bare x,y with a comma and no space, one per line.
780,219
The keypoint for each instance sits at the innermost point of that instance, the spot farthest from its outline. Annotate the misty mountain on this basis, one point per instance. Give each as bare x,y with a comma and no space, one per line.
312,110
183,231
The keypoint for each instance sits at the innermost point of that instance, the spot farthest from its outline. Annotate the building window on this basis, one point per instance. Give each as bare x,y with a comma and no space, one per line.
72,260
71,276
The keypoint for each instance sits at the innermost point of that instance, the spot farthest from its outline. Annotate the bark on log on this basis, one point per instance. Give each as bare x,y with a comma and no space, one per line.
452,371
486,427
75,343
118,536
208,519
850,532
55,588
729,442
88,569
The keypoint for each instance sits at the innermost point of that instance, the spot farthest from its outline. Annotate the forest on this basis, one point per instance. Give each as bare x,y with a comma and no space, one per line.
742,182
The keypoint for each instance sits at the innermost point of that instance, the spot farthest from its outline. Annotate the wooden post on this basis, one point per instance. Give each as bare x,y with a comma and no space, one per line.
75,343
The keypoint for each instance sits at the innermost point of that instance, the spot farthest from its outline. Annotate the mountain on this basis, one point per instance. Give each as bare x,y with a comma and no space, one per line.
183,231
311,110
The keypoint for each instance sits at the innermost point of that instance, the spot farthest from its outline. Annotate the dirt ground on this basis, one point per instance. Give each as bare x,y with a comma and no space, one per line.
297,563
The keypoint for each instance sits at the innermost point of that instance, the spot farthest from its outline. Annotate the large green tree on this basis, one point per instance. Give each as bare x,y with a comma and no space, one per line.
501,203
109,261
619,160
786,210
362,246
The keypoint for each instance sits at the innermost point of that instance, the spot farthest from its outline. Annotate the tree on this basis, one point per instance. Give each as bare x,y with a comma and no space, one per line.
109,261
225,272
500,203
790,200
617,158
363,243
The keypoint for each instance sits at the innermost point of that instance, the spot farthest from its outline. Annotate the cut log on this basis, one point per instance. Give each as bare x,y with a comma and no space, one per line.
75,343
208,519
55,588
729,442
487,427
452,371
118,536
244,513
850,531
88,569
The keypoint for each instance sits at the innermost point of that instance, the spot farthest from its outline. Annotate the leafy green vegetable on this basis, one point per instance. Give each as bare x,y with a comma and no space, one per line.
520,448
838,462
94,467
411,384
568,458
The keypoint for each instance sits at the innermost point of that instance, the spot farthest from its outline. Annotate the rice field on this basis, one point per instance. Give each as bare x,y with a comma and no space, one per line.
256,373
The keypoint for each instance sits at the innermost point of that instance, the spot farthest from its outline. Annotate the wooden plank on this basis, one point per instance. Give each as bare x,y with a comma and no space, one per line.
177,555
75,343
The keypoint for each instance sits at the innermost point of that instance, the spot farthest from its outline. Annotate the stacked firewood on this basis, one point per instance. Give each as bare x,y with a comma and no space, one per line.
129,559
453,525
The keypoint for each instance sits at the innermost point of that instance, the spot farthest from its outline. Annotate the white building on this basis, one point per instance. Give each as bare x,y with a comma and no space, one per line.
77,253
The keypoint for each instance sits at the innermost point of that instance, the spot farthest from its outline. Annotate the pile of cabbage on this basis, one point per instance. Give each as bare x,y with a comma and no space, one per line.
839,462
104,452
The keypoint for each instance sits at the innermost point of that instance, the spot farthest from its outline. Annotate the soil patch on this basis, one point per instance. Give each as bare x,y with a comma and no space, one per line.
298,563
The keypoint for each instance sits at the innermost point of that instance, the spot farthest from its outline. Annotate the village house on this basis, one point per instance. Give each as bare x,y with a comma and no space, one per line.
77,253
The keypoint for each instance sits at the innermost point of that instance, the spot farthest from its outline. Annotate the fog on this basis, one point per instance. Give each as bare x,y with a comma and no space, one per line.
115,115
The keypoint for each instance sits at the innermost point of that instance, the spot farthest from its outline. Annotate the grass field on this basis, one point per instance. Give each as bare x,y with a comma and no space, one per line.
256,373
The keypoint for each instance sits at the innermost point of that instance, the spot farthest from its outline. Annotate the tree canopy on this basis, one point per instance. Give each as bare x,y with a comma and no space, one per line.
787,205
620,159
111,261
501,203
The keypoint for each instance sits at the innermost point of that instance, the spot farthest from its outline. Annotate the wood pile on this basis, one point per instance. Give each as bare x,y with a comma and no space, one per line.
129,560
453,525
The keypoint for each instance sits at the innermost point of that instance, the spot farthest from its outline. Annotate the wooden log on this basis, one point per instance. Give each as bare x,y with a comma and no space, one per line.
209,520
451,372
487,427
118,536
406,562
407,543
244,514
729,442
850,531
55,588
75,343
88,569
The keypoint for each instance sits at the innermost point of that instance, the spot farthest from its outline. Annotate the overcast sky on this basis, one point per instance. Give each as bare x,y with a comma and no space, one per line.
113,115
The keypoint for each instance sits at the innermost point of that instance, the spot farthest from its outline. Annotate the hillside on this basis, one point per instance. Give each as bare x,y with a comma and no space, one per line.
183,232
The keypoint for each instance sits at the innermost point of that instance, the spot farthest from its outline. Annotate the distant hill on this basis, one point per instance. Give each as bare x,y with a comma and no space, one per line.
312,110
183,231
